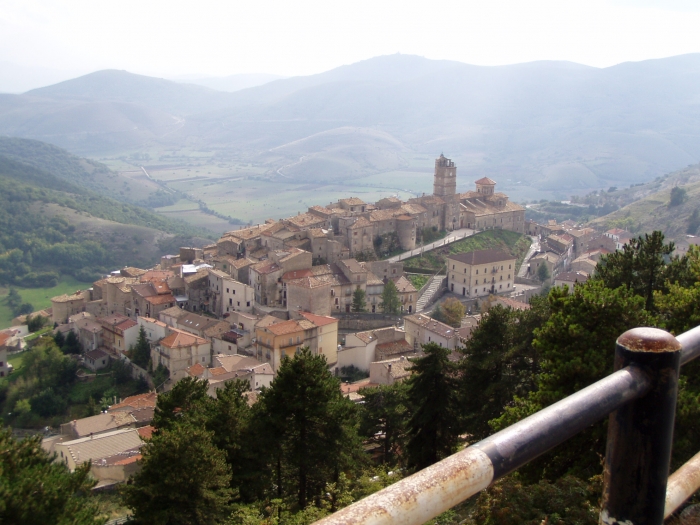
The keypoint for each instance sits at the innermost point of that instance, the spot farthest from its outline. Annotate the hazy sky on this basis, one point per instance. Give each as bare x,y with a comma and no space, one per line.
217,37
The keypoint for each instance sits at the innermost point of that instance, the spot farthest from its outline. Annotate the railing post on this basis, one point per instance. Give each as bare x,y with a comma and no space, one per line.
640,433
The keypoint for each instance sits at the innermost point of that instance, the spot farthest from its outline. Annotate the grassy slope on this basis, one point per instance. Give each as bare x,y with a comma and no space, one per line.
651,211
510,242
40,298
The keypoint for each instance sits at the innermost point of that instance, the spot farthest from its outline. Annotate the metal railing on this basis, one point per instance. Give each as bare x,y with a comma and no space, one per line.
640,398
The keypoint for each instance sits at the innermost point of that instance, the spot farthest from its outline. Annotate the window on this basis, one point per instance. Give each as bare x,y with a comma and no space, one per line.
248,303
453,266
234,292
227,290
477,272
501,267
202,359
298,339
290,341
230,302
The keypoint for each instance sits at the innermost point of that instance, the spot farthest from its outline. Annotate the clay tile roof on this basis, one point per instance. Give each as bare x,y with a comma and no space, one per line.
360,223
404,285
146,432
309,282
67,298
365,337
352,201
4,338
217,371
125,325
95,354
101,423
297,274
196,370
285,327
103,445
572,277
511,303
161,299
481,257
486,180
180,339
137,401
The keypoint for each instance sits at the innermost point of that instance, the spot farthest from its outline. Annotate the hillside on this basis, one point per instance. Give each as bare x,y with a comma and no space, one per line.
50,228
553,127
648,207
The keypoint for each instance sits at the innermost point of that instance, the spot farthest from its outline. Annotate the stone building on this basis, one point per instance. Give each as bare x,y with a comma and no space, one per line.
480,273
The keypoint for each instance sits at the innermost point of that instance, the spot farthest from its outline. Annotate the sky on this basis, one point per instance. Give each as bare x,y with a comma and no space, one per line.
218,38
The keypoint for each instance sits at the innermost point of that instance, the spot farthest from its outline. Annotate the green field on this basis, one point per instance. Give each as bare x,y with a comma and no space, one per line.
39,298
510,242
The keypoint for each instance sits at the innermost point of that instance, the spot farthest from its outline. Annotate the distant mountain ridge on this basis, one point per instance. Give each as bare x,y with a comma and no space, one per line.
554,125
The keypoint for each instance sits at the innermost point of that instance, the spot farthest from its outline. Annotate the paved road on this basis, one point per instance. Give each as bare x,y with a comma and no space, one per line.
451,237
533,248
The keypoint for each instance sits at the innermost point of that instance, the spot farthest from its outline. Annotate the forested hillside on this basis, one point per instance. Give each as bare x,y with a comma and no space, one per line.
39,238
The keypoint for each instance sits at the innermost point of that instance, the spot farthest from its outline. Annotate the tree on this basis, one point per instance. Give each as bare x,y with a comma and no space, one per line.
678,196
641,267
309,427
391,303
575,348
72,344
59,338
359,300
228,420
435,423
453,311
499,363
383,417
543,272
34,489
141,353
188,399
36,322
184,479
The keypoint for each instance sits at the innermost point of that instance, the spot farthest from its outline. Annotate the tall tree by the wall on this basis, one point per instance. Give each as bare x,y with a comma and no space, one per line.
391,304
435,423
184,479
142,351
543,272
642,267
383,416
359,298
35,489
310,425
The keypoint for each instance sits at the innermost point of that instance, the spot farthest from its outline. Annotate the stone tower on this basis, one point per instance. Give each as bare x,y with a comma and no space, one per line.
445,181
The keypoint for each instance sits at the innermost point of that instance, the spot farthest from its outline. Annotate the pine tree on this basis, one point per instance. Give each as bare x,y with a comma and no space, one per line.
309,426
34,489
391,304
141,353
188,399
359,299
184,479
72,344
383,417
434,426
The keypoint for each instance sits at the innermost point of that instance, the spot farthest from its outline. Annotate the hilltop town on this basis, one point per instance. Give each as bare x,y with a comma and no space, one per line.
330,280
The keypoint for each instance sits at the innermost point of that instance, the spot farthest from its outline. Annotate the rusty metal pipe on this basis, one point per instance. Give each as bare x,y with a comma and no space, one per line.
682,484
430,492
690,341
640,433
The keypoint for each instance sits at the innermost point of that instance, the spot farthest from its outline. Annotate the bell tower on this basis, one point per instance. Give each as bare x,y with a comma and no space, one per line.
445,180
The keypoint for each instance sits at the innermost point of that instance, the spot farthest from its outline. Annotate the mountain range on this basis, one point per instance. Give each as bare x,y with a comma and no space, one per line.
556,126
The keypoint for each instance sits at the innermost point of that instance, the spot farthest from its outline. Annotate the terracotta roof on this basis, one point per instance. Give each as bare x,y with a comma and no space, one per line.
196,370
352,201
297,274
174,311
400,367
161,299
125,325
366,337
572,277
137,401
113,319
309,282
144,290
146,432
403,285
511,303
68,298
130,271
156,275
384,350
285,327
96,354
4,338
360,223
101,423
481,257
306,219
486,180
179,339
